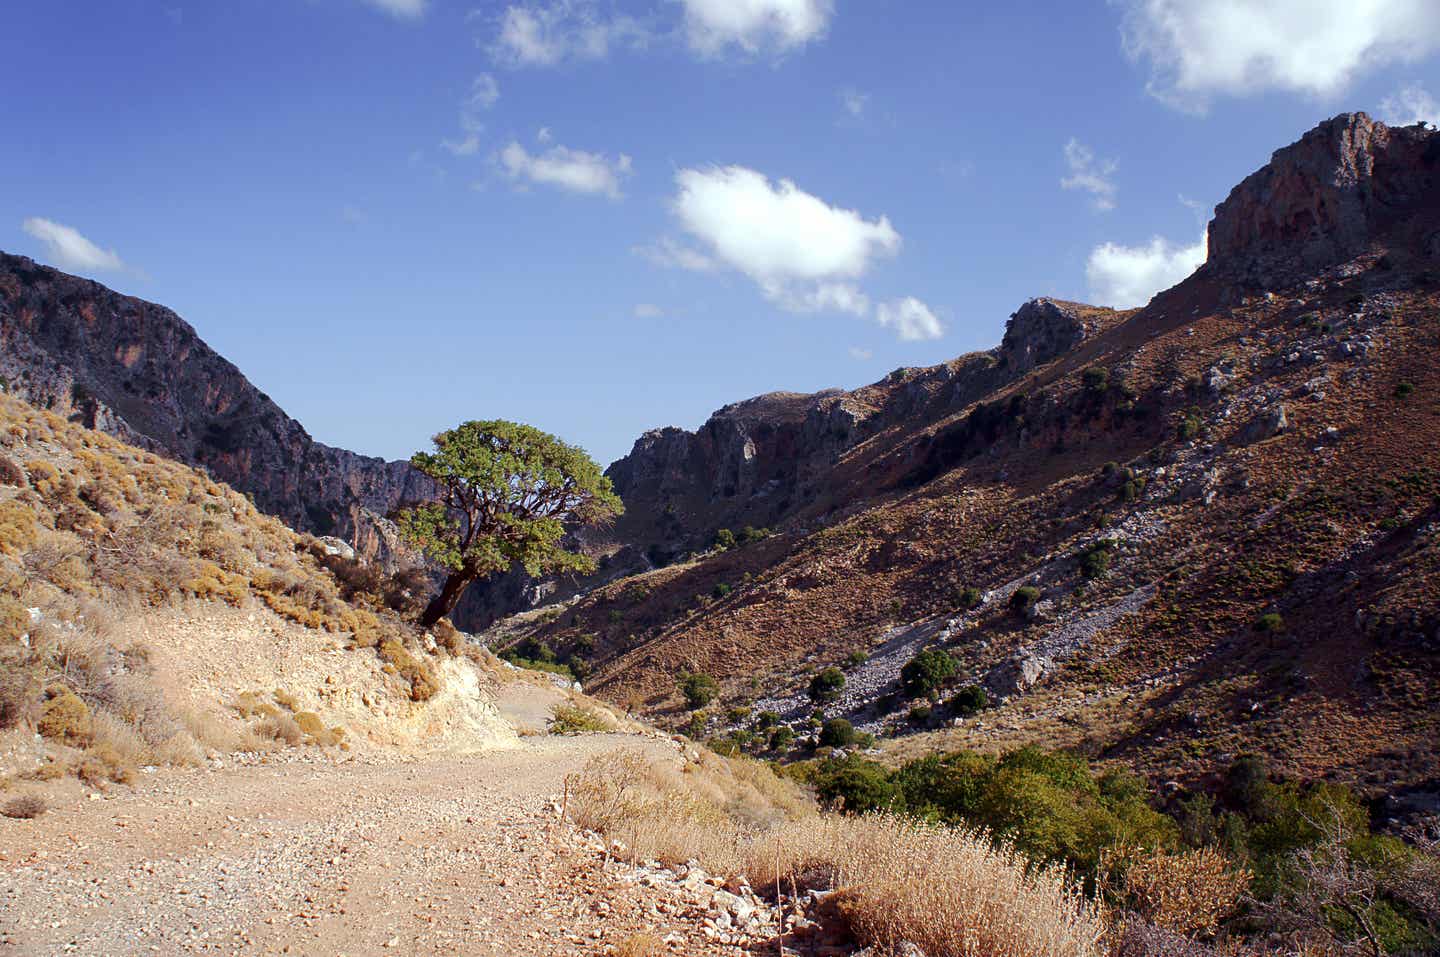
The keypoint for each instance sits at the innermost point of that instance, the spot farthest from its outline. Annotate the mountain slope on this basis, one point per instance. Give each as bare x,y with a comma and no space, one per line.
1225,502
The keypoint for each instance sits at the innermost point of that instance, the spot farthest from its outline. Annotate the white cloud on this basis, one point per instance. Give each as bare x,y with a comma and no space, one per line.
1409,106
1090,175
804,254
777,233
543,135
754,25
854,102
911,319
1199,48
545,34
69,249
1127,276
404,9
573,170
484,94
648,310
860,354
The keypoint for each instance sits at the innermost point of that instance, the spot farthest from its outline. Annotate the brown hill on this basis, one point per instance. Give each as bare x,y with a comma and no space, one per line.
1226,503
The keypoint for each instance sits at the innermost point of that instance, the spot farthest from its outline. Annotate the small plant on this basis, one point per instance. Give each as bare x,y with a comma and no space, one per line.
781,738
737,714
920,714
826,685
24,807
750,534
695,727
1403,390
837,733
969,598
699,690
855,659
1096,380
927,671
1095,559
1024,599
1270,622
721,590
724,539
970,700
65,718
571,719
1188,427
766,720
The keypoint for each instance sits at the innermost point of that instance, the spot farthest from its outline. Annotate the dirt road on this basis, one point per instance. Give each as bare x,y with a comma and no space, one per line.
443,855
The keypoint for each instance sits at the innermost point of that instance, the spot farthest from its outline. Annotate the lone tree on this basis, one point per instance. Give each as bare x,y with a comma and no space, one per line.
507,492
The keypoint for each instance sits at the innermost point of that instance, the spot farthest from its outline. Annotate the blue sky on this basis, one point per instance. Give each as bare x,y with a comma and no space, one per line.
600,218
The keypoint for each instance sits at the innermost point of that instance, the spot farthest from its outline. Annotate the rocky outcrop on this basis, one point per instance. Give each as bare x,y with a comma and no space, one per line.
140,372
1043,329
1324,199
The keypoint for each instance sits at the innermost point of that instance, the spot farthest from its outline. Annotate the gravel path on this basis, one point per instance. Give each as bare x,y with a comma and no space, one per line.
310,855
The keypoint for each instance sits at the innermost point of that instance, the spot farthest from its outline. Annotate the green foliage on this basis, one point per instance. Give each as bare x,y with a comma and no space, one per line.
750,534
1096,380
970,700
920,714
506,493
856,784
569,719
698,689
1095,559
695,727
781,738
837,733
968,598
927,672
1189,427
766,720
1270,622
1024,598
1403,390
722,590
826,685
724,539
855,659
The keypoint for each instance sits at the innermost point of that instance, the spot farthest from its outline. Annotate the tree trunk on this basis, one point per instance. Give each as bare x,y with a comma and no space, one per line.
445,602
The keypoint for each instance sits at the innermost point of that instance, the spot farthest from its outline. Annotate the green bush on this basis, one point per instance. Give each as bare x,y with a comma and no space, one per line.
1403,390
724,539
750,534
569,719
970,700
721,590
837,733
1270,622
781,738
968,598
855,659
1096,380
1024,598
856,784
826,685
927,672
1095,559
1188,427
766,720
699,690
920,714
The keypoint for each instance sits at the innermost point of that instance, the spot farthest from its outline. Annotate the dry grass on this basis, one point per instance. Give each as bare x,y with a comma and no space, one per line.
950,891
24,807
1187,892
639,945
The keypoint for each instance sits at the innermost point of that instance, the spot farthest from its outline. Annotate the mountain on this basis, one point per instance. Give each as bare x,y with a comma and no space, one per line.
1170,534
140,372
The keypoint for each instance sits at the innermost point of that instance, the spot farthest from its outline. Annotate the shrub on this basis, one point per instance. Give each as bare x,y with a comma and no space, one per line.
968,598
927,672
781,738
855,785
1188,427
766,720
24,807
64,717
571,719
970,700
1096,380
920,714
1187,892
424,683
1403,390
750,534
724,539
1024,599
1133,488
10,473
722,590
855,659
826,685
699,690
837,733
1095,559
1270,622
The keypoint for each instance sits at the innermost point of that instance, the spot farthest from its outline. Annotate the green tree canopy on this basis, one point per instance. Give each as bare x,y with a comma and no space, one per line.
506,493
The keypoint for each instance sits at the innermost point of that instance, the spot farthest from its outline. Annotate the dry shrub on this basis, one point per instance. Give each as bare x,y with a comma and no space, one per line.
24,807
572,719
424,682
19,691
639,945
1188,892
10,473
19,527
64,717
281,727
210,581
447,636
102,764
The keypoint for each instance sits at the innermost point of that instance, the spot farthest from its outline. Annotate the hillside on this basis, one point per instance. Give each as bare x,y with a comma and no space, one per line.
1225,503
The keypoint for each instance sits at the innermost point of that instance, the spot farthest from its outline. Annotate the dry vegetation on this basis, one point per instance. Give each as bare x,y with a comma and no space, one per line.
92,529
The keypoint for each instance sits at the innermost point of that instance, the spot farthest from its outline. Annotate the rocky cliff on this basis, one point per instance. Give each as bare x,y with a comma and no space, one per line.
139,371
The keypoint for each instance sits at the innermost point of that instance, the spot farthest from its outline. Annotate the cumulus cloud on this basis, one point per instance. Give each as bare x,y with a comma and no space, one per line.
911,319
804,254
573,170
1200,48
1409,106
648,310
403,9
484,94
67,248
545,34
1128,276
714,26
1091,175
